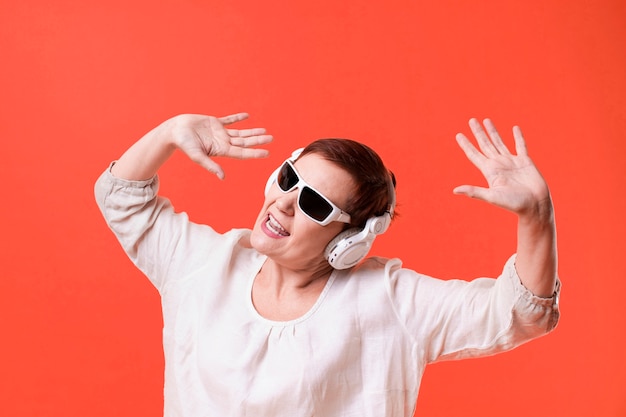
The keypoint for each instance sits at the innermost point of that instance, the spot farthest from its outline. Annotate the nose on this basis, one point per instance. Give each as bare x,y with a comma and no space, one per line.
286,203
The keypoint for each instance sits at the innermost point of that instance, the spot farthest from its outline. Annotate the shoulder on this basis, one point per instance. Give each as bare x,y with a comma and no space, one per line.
231,241
381,275
382,268
234,247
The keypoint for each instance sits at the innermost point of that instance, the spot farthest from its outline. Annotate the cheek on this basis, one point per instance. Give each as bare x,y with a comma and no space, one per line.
316,237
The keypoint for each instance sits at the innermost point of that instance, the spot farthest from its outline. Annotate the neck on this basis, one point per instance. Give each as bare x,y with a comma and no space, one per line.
284,294
282,278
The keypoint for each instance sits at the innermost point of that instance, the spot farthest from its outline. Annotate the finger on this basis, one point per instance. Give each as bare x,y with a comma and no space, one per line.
483,140
247,153
251,141
233,118
496,140
520,143
246,132
470,150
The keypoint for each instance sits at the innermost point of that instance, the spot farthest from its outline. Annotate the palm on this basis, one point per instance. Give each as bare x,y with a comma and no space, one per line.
514,183
202,137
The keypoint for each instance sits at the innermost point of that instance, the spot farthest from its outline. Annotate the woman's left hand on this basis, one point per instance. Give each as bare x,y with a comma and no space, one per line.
514,182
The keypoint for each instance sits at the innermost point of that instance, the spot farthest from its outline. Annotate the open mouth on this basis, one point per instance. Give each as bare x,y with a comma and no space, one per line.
275,227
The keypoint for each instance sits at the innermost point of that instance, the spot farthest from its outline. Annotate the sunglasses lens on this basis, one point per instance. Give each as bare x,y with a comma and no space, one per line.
287,178
314,204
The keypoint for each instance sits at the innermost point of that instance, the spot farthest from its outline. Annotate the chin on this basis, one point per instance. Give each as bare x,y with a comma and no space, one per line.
260,242
254,238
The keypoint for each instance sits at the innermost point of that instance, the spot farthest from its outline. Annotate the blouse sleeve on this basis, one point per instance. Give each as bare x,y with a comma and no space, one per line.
149,230
456,319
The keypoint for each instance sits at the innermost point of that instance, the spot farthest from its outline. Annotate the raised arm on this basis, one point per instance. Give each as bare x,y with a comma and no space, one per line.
199,137
515,184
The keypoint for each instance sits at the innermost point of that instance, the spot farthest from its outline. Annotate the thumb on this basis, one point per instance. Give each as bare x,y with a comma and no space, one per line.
211,166
207,163
472,192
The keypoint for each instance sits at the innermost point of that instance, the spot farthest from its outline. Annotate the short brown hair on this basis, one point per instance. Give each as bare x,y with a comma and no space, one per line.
375,192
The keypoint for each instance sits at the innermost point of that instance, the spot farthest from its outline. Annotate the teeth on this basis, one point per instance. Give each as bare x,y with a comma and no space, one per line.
275,227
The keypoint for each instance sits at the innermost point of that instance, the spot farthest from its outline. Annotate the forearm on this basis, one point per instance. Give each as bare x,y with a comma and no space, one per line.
536,261
143,159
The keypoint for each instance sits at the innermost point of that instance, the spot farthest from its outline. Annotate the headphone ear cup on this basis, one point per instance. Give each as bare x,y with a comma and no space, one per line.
347,248
379,225
352,245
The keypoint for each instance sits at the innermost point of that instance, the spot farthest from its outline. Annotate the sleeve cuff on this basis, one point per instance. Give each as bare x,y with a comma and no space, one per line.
526,294
129,183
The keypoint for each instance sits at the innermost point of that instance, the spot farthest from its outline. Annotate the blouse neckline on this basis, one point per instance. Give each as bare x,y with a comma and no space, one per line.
285,323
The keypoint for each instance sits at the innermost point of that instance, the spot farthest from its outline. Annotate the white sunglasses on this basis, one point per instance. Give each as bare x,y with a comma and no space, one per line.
311,202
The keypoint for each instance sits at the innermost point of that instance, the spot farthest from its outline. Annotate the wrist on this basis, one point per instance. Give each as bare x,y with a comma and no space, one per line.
538,218
165,136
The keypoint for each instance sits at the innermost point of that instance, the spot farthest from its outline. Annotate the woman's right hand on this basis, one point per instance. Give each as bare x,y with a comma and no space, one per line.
202,137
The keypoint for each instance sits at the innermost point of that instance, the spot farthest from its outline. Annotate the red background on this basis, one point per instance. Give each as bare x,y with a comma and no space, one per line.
80,81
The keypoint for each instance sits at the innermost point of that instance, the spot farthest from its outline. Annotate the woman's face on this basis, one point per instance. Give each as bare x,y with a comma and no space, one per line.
288,236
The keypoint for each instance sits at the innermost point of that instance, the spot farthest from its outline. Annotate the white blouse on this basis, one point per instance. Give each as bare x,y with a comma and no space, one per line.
360,350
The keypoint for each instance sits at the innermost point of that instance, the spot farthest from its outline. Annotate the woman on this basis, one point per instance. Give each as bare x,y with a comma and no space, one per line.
276,321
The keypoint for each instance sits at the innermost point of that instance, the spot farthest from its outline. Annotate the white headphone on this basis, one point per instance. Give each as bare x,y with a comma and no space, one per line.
350,246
